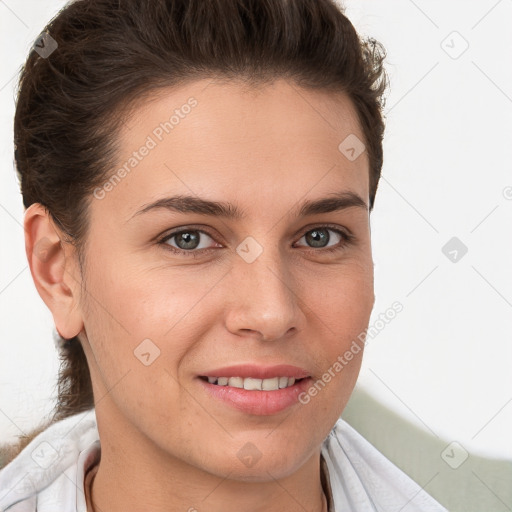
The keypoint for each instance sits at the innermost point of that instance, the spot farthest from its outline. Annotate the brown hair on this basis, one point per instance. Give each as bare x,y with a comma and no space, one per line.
110,53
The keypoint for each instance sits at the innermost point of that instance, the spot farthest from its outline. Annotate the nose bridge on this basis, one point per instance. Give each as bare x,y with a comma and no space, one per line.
262,291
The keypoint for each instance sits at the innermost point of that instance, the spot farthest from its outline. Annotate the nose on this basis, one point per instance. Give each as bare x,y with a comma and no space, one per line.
263,300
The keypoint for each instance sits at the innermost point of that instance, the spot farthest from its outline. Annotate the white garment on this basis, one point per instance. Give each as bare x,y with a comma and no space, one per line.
48,475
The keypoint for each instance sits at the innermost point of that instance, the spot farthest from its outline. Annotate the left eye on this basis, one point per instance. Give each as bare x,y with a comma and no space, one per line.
319,238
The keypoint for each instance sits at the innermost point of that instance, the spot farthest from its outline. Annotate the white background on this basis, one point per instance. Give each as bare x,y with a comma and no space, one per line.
444,361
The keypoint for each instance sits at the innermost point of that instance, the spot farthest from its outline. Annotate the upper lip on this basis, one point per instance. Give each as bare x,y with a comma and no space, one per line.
258,371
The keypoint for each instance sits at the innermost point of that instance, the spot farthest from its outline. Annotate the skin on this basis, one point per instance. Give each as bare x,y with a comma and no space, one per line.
166,445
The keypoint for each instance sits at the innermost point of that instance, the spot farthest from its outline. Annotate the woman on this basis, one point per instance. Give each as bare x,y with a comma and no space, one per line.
198,178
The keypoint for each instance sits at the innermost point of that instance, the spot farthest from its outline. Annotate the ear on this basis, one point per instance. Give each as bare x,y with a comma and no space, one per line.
54,268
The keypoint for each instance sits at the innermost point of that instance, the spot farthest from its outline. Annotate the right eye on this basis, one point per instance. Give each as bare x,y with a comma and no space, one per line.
187,241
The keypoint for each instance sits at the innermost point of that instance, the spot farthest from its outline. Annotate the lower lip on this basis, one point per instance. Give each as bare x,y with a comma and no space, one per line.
262,403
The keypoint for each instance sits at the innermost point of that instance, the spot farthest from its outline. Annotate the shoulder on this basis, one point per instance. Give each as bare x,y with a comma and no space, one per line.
362,479
48,472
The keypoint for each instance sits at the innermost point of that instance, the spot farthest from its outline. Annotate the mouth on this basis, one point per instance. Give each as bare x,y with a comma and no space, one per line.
256,390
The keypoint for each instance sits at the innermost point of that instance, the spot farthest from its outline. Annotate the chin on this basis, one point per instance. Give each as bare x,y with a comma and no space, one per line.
258,461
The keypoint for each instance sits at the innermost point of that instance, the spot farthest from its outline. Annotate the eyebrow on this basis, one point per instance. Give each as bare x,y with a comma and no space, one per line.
193,204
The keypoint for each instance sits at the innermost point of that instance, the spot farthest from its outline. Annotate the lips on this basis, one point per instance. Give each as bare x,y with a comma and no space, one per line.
259,390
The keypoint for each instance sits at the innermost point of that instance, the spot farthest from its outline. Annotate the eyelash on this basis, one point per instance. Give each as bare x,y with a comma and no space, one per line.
347,239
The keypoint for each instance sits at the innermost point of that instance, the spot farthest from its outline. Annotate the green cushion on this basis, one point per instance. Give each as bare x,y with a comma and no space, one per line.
476,484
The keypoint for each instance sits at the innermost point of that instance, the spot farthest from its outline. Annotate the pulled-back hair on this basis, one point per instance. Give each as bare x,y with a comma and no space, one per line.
111,53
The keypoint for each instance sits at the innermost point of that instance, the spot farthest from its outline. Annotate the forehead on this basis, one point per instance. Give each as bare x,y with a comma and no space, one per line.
226,138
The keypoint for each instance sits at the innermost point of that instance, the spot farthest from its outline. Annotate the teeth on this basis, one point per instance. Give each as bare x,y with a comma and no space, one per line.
250,384
236,382
283,382
270,384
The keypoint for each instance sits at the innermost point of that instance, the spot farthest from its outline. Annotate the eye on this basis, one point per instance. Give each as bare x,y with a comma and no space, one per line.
319,238
188,241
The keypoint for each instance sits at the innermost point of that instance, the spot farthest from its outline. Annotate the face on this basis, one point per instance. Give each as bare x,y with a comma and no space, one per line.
258,290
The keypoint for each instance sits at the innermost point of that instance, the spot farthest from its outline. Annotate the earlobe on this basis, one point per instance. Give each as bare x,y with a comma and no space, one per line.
54,270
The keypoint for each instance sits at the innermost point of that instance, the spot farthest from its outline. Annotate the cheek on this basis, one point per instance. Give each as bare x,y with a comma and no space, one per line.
341,310
148,302
142,325
343,299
